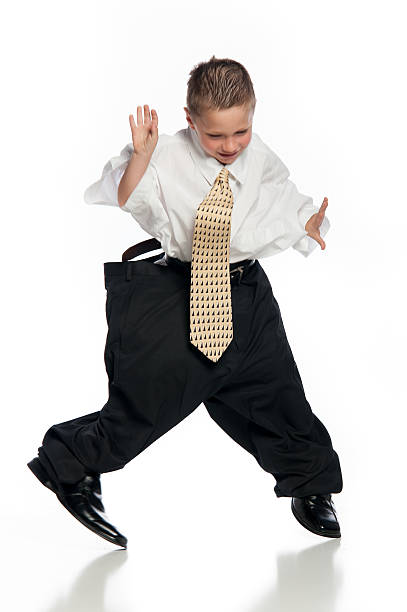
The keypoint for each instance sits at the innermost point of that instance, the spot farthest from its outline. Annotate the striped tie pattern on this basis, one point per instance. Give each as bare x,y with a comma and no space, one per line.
210,312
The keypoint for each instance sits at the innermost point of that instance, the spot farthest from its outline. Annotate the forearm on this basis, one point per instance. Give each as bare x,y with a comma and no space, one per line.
132,176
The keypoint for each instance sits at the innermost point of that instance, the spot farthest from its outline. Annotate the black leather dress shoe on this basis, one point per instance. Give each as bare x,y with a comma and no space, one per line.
317,514
83,500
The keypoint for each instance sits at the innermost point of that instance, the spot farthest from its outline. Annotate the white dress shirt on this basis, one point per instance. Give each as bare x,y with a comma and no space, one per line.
268,214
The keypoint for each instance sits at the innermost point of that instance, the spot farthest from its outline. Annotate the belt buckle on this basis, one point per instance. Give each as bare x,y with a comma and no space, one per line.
241,270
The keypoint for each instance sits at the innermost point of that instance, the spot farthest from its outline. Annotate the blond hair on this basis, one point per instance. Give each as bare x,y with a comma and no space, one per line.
218,84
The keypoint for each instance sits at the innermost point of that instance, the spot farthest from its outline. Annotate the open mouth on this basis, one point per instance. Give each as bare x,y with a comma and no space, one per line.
229,155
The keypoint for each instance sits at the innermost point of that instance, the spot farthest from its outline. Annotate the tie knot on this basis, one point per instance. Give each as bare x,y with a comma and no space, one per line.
223,176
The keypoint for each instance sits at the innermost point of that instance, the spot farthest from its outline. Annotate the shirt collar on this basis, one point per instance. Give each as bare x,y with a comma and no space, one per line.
209,166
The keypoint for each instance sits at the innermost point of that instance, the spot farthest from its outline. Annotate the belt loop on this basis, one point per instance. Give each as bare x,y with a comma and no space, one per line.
128,270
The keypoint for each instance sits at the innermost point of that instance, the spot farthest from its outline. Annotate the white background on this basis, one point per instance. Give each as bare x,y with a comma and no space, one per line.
205,528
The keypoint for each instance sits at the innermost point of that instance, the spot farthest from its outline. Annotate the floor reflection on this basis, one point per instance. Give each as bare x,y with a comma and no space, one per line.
307,581
87,593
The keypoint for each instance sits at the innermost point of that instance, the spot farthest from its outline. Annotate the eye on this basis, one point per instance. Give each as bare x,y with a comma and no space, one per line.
218,135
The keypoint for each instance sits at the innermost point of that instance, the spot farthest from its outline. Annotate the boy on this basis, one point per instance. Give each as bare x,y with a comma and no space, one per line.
216,198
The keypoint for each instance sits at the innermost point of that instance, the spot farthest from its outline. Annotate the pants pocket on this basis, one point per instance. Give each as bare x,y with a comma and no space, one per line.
117,304
112,357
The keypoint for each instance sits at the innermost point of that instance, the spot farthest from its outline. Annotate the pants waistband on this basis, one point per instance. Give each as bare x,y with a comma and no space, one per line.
237,268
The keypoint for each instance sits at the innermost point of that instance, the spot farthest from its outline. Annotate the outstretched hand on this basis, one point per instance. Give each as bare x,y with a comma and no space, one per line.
144,135
313,224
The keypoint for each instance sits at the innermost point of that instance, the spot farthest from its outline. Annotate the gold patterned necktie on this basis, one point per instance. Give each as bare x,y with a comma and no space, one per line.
210,312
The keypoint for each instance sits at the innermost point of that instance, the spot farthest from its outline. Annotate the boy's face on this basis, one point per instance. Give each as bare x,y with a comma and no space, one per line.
221,132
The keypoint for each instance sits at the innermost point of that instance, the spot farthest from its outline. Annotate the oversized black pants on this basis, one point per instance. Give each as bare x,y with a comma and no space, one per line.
156,378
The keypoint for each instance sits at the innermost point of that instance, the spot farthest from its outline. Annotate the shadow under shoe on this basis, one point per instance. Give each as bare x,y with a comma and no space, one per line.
317,513
83,500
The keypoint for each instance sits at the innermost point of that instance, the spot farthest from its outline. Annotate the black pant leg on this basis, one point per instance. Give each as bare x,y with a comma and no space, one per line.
264,409
156,376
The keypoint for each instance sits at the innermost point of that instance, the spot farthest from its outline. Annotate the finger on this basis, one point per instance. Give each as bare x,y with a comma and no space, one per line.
322,209
139,117
146,114
154,122
321,242
316,236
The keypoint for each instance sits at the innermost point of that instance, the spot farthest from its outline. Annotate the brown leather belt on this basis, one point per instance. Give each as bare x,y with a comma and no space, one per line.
143,247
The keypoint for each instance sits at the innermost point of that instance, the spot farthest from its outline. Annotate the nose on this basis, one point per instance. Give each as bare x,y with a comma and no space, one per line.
232,148
229,145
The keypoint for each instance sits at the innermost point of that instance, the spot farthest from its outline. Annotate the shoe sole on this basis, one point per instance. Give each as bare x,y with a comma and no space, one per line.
324,532
39,471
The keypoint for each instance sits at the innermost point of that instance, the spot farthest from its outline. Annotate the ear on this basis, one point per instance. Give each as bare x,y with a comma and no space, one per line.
188,117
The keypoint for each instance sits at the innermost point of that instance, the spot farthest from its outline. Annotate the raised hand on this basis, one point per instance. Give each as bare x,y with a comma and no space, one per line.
313,224
144,135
